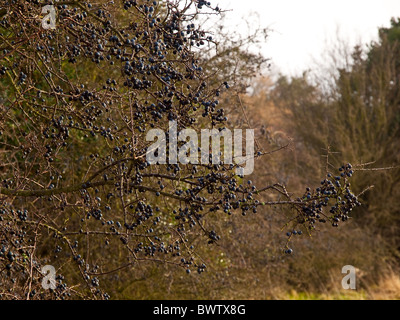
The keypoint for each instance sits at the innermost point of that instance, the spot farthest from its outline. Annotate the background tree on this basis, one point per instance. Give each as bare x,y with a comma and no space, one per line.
354,118
359,120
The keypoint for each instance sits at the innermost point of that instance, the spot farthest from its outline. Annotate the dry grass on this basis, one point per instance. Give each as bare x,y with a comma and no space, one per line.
387,289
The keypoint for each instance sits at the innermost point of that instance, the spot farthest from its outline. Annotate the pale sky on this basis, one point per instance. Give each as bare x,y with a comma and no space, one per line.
302,28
